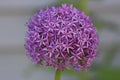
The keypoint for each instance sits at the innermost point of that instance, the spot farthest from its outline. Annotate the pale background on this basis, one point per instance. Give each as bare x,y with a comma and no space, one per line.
14,65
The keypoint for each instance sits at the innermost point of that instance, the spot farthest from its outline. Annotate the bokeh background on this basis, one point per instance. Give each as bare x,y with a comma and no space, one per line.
15,65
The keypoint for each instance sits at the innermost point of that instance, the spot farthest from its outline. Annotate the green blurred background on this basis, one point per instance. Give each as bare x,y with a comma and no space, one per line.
14,64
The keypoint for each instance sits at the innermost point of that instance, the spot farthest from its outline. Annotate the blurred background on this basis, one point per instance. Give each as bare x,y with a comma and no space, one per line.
15,65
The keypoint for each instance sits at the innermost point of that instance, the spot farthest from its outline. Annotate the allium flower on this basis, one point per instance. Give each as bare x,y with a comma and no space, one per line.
61,37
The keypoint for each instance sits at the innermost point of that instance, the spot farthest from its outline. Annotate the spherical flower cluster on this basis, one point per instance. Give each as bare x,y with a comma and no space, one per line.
61,37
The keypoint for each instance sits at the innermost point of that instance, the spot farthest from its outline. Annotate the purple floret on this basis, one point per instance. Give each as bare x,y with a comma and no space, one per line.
61,37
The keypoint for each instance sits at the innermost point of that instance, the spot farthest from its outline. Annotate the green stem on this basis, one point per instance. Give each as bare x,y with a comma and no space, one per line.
58,74
84,75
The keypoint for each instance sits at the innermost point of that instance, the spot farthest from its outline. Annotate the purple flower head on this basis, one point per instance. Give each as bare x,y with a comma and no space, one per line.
61,37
